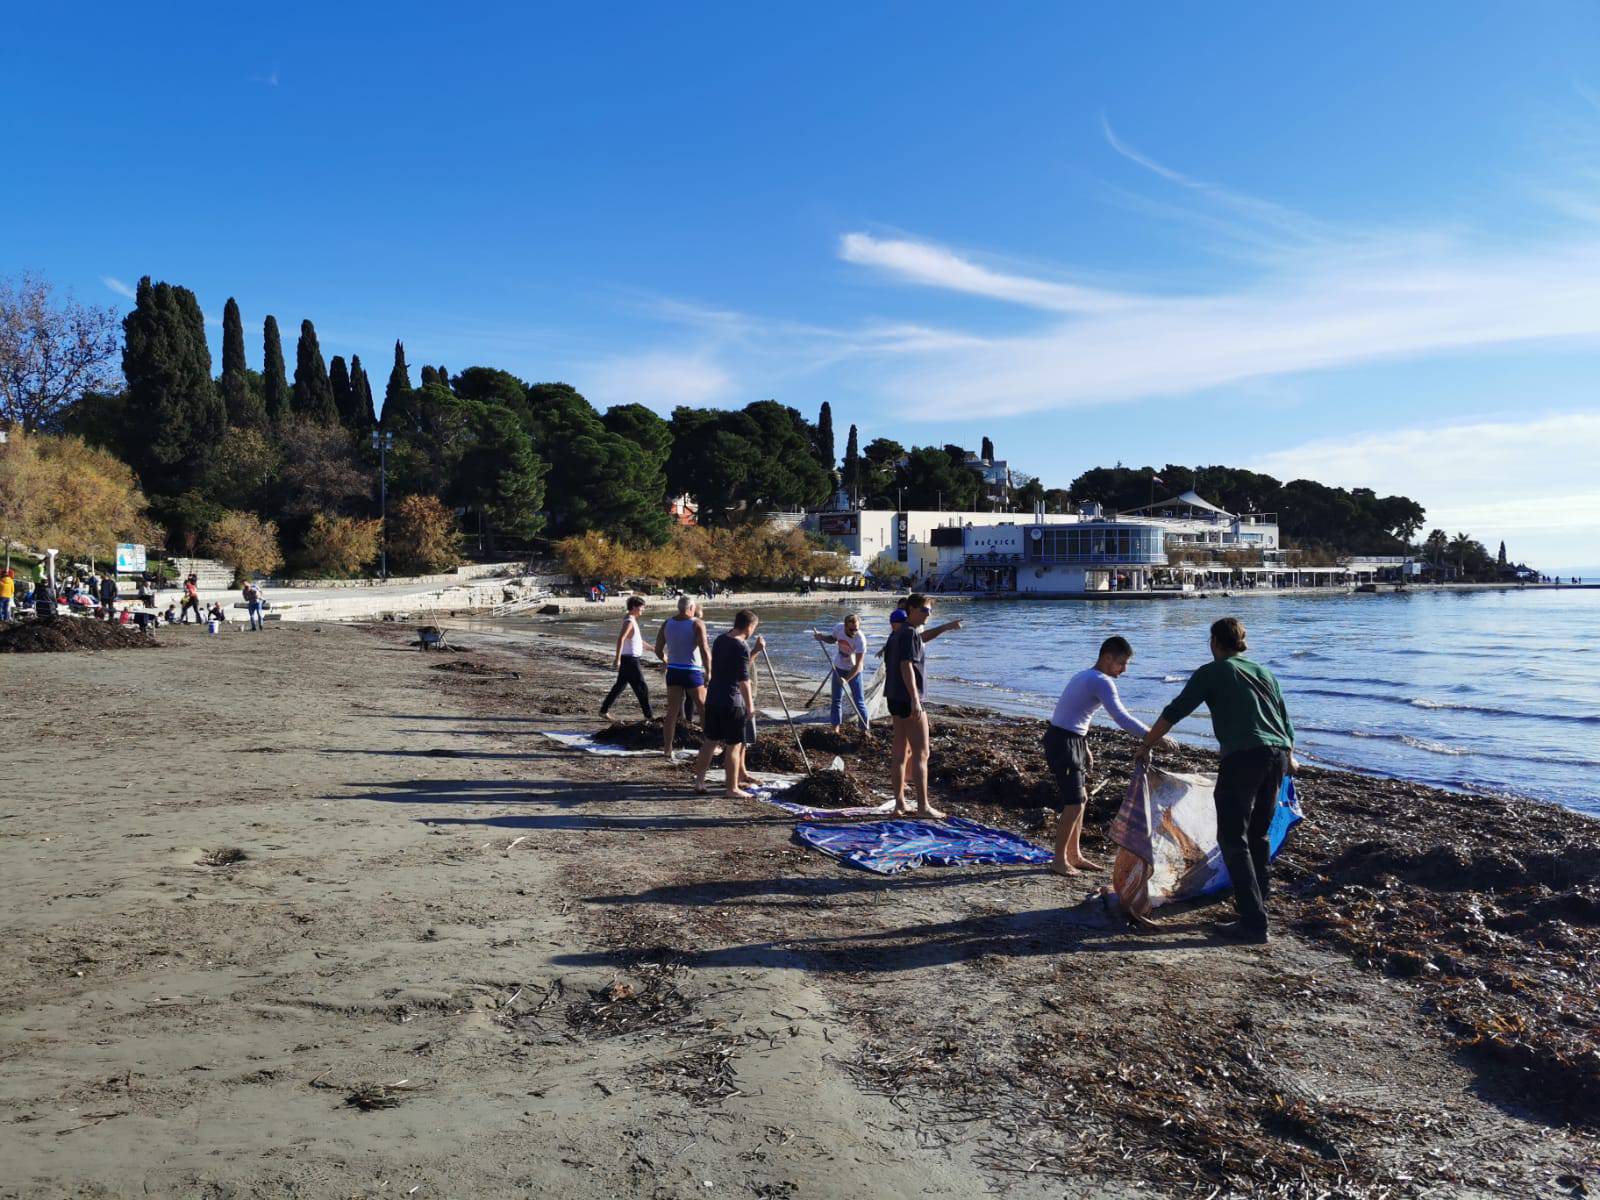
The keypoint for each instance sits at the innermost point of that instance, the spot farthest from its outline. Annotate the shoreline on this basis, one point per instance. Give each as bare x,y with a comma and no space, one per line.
575,977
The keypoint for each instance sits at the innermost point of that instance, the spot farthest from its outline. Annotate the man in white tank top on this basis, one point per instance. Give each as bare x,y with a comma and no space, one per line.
627,661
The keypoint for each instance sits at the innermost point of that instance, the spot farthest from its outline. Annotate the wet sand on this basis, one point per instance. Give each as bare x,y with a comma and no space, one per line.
299,914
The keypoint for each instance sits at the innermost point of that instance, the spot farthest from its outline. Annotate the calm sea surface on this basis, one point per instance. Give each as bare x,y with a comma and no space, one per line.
1477,691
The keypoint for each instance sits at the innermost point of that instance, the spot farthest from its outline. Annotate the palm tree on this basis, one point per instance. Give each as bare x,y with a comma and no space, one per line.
1438,542
1461,546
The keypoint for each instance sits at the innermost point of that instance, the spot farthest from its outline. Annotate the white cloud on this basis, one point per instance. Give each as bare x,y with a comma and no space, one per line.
117,286
1530,482
660,380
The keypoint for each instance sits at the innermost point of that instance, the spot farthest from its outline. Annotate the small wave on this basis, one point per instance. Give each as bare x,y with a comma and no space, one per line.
1492,711
1173,678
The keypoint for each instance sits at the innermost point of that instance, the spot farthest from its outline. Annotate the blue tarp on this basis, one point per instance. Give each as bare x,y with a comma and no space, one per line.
887,847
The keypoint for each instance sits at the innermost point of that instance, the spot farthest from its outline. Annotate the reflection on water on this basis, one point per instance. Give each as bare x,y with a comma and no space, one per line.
1481,691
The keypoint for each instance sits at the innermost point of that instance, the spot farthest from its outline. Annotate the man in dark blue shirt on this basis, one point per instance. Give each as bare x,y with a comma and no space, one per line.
903,689
728,703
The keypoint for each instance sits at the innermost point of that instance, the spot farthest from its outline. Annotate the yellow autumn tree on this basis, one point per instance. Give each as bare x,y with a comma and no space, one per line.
341,546
61,492
246,543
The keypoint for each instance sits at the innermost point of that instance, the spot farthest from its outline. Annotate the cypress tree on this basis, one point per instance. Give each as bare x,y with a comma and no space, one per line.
344,393
444,374
852,463
274,380
171,396
313,393
364,418
429,375
824,437
399,384
1502,559
238,401
987,453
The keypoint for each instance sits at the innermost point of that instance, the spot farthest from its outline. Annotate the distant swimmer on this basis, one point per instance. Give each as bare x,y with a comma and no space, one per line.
904,689
626,661
1066,745
683,646
1256,739
729,702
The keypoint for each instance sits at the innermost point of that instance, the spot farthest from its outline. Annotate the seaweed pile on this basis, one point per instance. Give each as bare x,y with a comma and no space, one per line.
469,667
827,789
1499,924
774,753
646,735
66,634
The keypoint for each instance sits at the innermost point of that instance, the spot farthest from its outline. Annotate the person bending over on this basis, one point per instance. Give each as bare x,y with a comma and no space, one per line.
1256,740
728,702
849,647
904,689
1066,745
626,662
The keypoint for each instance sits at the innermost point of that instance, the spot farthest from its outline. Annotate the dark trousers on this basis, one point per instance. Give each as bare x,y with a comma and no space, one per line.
1247,797
629,675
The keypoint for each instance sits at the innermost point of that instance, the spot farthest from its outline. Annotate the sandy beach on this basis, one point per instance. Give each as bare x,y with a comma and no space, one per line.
313,914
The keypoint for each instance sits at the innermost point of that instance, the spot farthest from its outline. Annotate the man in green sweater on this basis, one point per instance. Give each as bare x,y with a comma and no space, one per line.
1257,745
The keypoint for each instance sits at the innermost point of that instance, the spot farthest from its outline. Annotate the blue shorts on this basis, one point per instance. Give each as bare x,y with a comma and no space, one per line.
686,677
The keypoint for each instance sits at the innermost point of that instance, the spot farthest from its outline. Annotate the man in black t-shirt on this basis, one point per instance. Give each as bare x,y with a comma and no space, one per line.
903,689
728,702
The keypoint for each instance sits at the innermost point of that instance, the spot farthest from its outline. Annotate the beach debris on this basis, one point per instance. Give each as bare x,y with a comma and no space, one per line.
65,634
465,666
773,755
222,856
646,735
826,789
369,1097
651,1000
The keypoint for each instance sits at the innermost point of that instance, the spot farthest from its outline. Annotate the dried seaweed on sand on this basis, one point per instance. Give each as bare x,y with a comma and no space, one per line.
71,633
646,735
827,789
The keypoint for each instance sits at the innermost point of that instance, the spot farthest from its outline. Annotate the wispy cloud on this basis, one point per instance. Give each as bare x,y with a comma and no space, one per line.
270,79
117,286
1530,479
660,380
936,266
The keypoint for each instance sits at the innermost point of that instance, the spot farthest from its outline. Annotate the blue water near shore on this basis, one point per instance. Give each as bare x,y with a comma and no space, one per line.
1495,691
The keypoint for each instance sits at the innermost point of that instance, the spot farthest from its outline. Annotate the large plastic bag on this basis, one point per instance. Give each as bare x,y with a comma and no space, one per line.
1166,834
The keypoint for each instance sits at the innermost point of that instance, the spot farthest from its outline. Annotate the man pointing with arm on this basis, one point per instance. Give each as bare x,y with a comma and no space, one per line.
1256,740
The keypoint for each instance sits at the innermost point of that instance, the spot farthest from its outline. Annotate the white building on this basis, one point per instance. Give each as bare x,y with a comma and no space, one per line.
912,537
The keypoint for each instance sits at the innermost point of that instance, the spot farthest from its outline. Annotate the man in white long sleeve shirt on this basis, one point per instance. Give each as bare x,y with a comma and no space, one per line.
1066,746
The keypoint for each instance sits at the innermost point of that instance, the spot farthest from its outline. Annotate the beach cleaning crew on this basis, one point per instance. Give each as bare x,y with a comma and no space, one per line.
1256,741
849,656
728,702
904,689
8,593
251,592
1066,745
683,646
191,600
626,661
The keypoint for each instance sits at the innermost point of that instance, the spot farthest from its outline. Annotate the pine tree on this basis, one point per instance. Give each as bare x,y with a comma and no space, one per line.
987,453
238,401
824,437
313,393
345,399
274,380
852,465
399,385
171,395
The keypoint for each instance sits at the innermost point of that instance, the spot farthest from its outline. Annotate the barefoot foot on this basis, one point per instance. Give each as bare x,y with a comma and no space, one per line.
929,813
1061,868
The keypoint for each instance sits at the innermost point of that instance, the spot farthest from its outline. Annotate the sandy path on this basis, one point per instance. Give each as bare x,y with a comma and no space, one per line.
431,893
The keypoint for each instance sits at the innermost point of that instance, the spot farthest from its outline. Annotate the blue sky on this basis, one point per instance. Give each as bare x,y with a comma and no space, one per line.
1360,245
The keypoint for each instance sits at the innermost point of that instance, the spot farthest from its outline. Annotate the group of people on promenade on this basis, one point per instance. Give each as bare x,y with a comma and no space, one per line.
99,596
1248,714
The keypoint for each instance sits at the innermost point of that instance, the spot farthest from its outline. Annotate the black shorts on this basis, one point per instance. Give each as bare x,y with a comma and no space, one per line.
900,708
725,725
1068,757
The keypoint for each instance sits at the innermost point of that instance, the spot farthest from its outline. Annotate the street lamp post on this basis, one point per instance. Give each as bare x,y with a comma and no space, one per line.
382,442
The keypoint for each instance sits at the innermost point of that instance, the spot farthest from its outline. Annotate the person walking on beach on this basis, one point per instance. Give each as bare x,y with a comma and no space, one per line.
1256,739
191,600
625,660
251,594
8,593
108,595
729,700
1066,745
850,655
904,689
682,644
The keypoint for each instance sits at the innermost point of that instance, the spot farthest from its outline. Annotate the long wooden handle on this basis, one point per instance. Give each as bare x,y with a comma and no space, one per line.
767,658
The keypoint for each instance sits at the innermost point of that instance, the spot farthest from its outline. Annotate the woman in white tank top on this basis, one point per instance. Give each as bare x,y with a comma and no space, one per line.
627,661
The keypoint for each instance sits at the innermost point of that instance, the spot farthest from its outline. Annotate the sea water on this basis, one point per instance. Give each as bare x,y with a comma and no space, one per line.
1481,691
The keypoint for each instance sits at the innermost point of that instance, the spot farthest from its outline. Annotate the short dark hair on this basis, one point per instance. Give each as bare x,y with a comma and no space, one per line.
1229,634
635,602
744,618
916,600
1116,646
